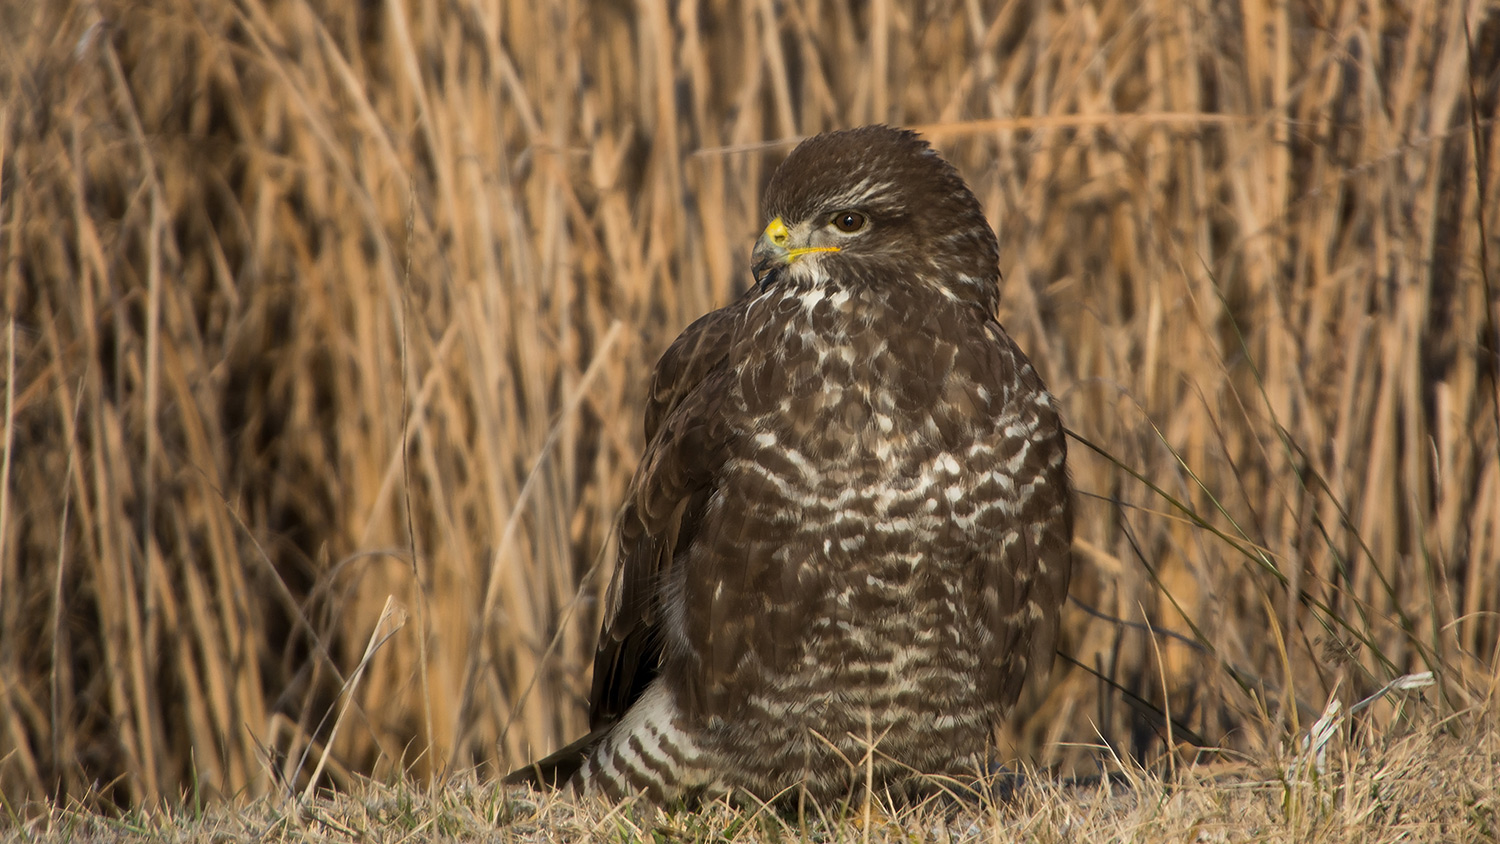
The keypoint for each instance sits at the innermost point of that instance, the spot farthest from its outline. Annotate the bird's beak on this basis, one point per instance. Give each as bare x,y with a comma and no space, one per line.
776,248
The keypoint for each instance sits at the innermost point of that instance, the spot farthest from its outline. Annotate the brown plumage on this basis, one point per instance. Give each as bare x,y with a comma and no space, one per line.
852,521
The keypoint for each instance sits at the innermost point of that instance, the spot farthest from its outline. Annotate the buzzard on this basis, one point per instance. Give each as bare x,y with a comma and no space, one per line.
847,542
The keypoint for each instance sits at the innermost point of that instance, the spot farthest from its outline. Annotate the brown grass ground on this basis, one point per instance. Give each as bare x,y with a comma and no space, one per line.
1424,785
326,326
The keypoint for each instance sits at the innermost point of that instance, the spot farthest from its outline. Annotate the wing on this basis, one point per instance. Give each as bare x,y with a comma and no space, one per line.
662,510
684,450
1026,564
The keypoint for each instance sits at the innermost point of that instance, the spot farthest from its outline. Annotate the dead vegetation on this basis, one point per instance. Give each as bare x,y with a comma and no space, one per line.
326,327
1424,785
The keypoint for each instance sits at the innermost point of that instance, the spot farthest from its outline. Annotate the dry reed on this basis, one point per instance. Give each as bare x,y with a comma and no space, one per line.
309,305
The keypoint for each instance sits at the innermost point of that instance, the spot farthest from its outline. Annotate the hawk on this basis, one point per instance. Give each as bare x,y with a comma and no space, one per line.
847,541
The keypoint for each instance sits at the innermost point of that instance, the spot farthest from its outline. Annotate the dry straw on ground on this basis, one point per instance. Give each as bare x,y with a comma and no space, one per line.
326,327
1424,786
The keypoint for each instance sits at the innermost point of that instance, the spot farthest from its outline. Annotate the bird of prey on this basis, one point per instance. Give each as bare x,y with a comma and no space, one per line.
847,542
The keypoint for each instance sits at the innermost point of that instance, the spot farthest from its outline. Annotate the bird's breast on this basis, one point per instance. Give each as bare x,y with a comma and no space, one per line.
843,529
861,384
850,424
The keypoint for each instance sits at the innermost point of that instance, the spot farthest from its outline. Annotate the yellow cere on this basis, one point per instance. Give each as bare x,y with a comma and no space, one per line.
777,232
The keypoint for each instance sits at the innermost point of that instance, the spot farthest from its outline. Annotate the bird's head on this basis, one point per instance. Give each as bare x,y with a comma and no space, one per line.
874,206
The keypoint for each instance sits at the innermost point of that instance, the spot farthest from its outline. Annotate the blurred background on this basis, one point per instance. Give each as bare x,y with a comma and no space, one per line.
326,328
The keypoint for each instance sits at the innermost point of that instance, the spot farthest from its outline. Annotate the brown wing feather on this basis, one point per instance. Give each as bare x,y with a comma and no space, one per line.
1024,586
661,516
664,506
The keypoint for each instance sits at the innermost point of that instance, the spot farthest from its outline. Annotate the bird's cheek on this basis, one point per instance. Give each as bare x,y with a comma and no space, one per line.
823,239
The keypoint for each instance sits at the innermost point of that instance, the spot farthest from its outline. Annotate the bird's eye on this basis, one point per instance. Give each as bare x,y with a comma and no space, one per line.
849,222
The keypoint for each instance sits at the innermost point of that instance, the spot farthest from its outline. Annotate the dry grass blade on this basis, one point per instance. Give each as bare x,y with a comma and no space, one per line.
392,619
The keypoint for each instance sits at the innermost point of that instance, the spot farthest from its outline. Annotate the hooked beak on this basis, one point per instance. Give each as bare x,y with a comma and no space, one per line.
775,249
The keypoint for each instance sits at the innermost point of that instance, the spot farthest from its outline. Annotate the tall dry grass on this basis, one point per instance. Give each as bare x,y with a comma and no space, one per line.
312,306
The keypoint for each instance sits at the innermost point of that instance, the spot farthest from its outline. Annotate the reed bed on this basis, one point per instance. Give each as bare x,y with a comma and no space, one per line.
327,328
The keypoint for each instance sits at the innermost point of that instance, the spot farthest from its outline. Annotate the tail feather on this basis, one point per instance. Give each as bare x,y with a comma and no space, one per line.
557,769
